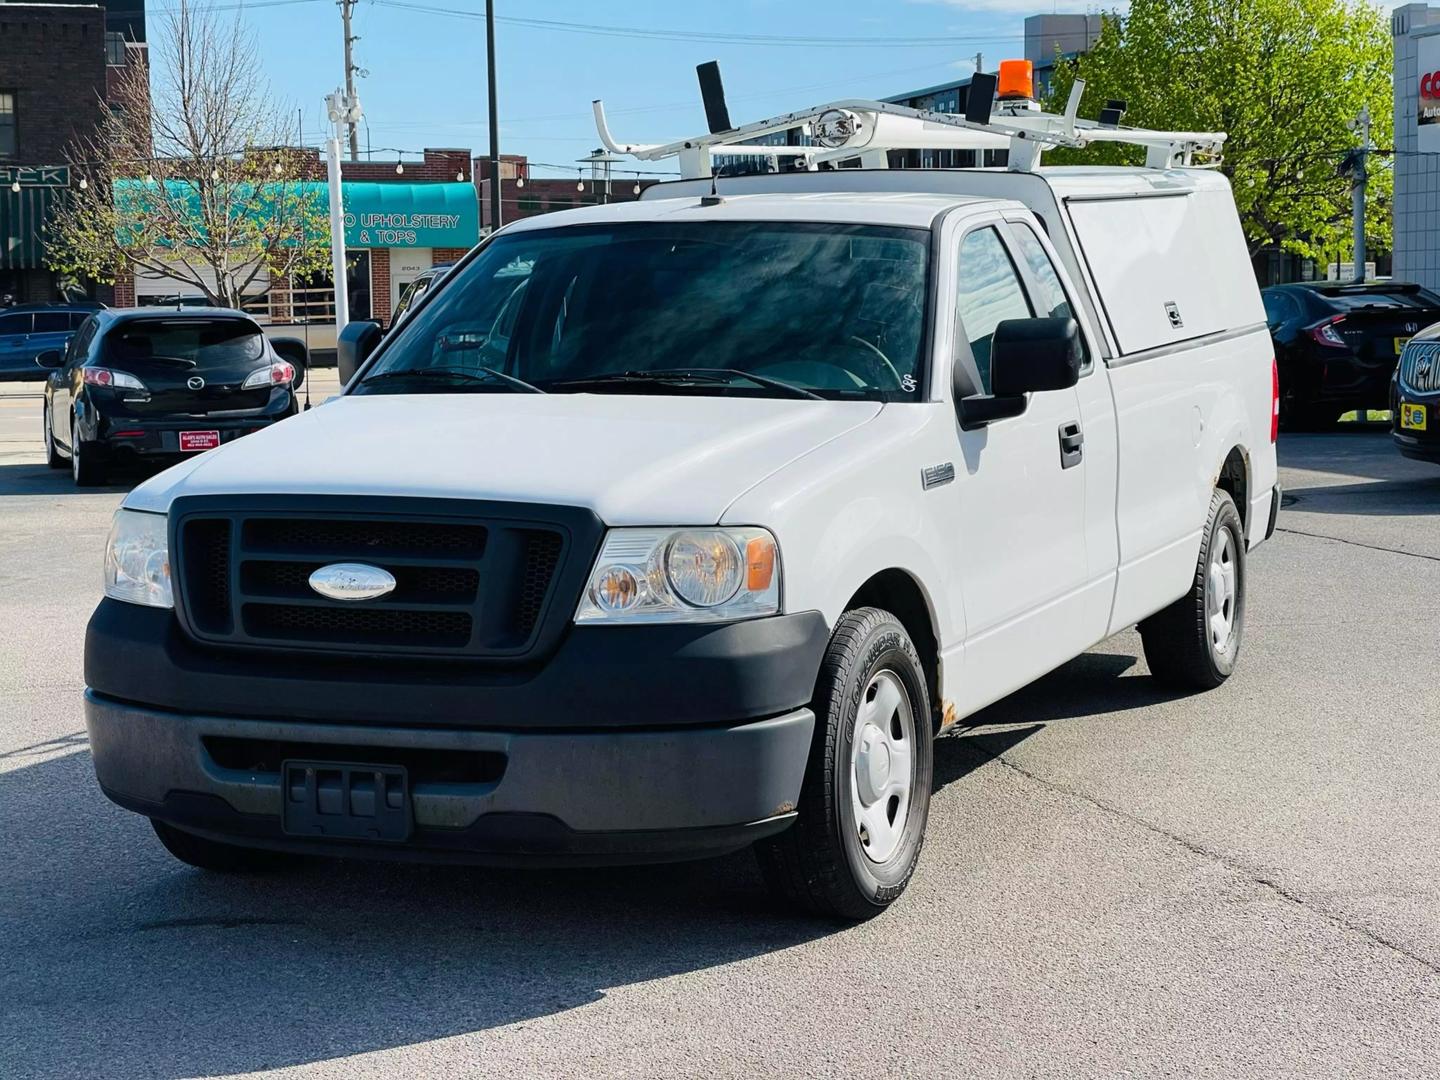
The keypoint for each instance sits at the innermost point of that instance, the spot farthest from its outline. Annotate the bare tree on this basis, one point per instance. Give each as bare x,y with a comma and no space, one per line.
195,183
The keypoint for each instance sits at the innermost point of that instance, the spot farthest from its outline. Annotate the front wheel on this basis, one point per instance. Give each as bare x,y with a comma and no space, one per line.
52,455
866,795
1195,642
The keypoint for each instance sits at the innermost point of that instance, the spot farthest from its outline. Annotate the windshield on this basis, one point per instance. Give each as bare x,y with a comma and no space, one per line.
197,344
652,307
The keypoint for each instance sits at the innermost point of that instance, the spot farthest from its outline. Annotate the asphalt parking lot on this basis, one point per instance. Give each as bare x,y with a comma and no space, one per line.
1117,880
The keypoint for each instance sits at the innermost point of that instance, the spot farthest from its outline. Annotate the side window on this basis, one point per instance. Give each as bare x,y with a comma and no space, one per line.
989,292
52,322
14,324
1050,298
77,319
80,343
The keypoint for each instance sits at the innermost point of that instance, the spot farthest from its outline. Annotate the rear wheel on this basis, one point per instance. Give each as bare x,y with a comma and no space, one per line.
866,795
1195,642
206,854
52,455
85,470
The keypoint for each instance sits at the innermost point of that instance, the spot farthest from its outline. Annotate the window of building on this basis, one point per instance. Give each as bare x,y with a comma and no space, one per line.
115,49
9,141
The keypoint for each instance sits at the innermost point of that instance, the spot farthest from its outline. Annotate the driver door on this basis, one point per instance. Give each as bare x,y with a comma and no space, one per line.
1021,548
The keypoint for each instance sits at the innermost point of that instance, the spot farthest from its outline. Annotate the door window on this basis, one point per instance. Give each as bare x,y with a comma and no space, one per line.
80,343
989,292
52,322
1049,295
14,324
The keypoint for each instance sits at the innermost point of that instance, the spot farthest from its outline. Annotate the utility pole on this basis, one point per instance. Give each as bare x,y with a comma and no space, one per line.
1359,176
979,63
495,186
342,109
346,7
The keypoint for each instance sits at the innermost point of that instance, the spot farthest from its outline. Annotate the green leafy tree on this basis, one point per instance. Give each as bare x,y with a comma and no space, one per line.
194,183
1283,78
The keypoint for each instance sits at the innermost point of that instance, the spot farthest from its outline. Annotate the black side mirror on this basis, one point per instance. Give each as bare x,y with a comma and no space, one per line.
1026,356
354,346
51,358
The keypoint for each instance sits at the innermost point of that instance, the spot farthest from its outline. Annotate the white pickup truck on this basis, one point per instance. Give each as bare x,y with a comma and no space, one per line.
665,528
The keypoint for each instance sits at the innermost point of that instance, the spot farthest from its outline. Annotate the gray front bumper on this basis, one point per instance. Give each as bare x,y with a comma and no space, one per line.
610,795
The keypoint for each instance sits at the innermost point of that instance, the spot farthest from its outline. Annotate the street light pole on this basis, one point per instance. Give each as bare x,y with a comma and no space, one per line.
1359,178
496,216
342,109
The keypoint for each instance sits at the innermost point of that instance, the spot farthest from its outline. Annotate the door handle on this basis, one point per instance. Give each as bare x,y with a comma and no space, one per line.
1072,444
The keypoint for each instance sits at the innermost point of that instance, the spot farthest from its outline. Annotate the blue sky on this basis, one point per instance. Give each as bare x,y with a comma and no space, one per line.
427,70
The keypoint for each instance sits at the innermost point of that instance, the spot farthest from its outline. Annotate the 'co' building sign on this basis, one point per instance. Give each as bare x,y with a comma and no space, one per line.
1428,99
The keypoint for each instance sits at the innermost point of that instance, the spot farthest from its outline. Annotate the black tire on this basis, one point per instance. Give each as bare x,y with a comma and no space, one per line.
819,864
52,455
205,854
84,468
1179,643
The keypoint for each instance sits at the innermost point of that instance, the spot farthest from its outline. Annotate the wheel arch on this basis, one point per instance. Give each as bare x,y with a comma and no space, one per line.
1233,477
900,593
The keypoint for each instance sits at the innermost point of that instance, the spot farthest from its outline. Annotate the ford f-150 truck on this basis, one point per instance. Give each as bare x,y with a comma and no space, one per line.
666,528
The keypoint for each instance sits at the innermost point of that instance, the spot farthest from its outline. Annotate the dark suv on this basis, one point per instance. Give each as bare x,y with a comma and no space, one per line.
28,331
1336,344
143,384
1415,408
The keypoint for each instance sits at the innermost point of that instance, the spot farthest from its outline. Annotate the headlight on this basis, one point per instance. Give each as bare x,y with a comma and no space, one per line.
683,575
137,560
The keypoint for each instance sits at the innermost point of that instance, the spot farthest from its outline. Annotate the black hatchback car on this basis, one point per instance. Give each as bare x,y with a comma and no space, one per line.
156,385
1336,344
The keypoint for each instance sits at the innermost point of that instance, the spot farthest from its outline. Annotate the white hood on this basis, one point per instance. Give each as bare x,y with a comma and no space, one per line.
632,459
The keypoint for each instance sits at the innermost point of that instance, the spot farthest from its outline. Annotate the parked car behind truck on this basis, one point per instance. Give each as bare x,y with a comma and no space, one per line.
754,491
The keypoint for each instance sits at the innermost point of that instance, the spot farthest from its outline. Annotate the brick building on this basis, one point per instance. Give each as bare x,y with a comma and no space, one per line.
52,89
523,195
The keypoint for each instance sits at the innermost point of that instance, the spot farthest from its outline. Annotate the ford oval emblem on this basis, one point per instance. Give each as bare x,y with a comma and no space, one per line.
351,581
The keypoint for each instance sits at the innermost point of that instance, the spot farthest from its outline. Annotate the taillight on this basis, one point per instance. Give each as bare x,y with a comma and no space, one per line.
1274,400
99,376
280,373
1324,333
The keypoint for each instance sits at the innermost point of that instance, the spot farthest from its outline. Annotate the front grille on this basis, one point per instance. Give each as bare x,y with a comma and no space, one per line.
481,587
1420,367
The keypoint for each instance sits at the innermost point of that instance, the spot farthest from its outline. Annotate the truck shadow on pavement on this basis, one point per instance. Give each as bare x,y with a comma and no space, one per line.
118,961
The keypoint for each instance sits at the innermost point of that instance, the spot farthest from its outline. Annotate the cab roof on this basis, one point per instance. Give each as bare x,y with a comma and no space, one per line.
912,209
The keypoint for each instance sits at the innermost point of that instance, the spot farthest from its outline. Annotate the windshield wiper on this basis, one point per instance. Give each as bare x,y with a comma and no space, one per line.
683,375
476,374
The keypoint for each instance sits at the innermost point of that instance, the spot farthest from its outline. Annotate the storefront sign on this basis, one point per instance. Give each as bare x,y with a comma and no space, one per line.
48,176
1427,58
410,215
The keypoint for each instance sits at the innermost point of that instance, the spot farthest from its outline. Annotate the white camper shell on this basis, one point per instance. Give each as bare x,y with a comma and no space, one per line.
664,528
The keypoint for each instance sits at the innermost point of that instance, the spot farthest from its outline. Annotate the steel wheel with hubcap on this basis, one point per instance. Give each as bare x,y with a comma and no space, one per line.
866,796
1195,641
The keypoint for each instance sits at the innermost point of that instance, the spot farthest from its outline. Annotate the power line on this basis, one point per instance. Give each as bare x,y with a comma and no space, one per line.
712,37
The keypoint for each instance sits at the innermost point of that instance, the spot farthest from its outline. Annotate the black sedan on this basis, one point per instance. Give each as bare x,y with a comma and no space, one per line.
160,385
1415,406
1336,344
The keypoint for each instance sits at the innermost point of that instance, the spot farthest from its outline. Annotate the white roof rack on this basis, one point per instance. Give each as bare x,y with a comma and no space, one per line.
856,128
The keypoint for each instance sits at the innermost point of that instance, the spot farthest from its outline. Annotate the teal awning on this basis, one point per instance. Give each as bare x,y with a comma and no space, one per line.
409,215
377,214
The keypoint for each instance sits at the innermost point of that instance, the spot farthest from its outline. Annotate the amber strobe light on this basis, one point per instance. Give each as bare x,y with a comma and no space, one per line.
1017,80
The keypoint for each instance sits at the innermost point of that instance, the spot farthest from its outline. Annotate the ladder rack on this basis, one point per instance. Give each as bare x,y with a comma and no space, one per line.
855,128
